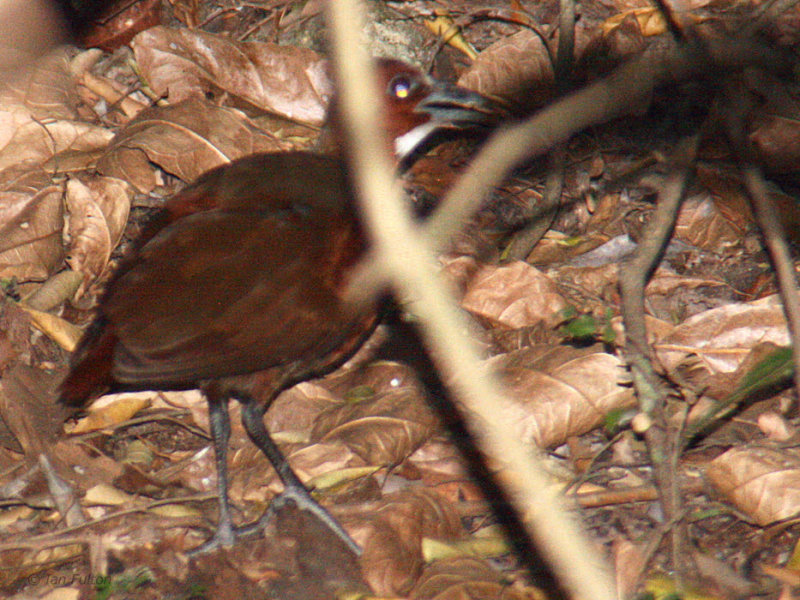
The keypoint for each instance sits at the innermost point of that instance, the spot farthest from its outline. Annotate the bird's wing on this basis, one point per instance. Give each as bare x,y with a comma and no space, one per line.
225,293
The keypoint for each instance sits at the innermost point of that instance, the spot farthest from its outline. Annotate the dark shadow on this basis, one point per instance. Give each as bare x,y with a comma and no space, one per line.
405,345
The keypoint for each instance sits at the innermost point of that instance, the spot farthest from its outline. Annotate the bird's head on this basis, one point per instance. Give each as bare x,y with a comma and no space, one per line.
416,106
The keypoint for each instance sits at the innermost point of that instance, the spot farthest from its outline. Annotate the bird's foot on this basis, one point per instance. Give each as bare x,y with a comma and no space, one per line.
224,537
303,500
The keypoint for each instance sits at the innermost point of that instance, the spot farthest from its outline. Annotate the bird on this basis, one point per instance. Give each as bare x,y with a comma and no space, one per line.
236,285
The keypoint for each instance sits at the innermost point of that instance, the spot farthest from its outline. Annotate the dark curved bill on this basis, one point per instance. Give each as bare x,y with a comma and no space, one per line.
454,107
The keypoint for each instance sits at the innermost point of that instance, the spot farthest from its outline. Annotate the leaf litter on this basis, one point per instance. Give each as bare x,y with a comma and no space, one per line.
397,480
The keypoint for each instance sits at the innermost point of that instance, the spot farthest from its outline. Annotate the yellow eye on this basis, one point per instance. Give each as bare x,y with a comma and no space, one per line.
400,87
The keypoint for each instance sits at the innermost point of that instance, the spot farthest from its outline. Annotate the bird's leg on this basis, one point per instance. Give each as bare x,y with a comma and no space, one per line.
294,490
220,425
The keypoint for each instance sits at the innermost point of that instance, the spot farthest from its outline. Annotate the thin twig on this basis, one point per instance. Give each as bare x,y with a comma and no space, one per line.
775,237
663,441
58,537
524,241
767,218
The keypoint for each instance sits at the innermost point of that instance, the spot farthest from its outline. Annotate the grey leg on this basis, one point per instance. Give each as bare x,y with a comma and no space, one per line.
219,421
252,419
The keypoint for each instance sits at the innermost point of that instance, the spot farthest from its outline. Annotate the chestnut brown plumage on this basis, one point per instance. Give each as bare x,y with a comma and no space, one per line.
235,287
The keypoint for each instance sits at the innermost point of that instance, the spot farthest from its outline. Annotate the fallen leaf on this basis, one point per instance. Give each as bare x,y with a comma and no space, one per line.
463,578
185,139
31,222
46,90
392,538
763,483
557,392
721,338
98,212
110,414
514,295
383,430
515,67
288,81
27,140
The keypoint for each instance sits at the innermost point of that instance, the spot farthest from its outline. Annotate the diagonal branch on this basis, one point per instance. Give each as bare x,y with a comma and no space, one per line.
406,259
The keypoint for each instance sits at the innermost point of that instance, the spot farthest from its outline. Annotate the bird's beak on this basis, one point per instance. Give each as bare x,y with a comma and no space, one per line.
454,107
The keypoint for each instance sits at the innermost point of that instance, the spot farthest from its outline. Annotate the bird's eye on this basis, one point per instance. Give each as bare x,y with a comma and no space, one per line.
400,87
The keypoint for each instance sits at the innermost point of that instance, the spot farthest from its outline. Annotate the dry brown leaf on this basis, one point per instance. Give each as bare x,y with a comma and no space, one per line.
45,91
15,341
24,566
28,408
285,80
104,494
623,6
690,5
775,137
118,21
556,247
651,20
776,427
110,414
722,337
185,139
558,392
459,269
489,543
717,574
445,28
703,224
25,140
665,282
37,120
763,483
733,205
514,295
517,66
392,538
773,120
28,29
296,409
441,467
175,511
254,479
725,186
600,53
15,515
599,282
98,212
718,386
88,468
340,477
31,221
656,329
197,405
462,581
323,458
375,377
467,578
61,331
383,430
131,165
630,560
